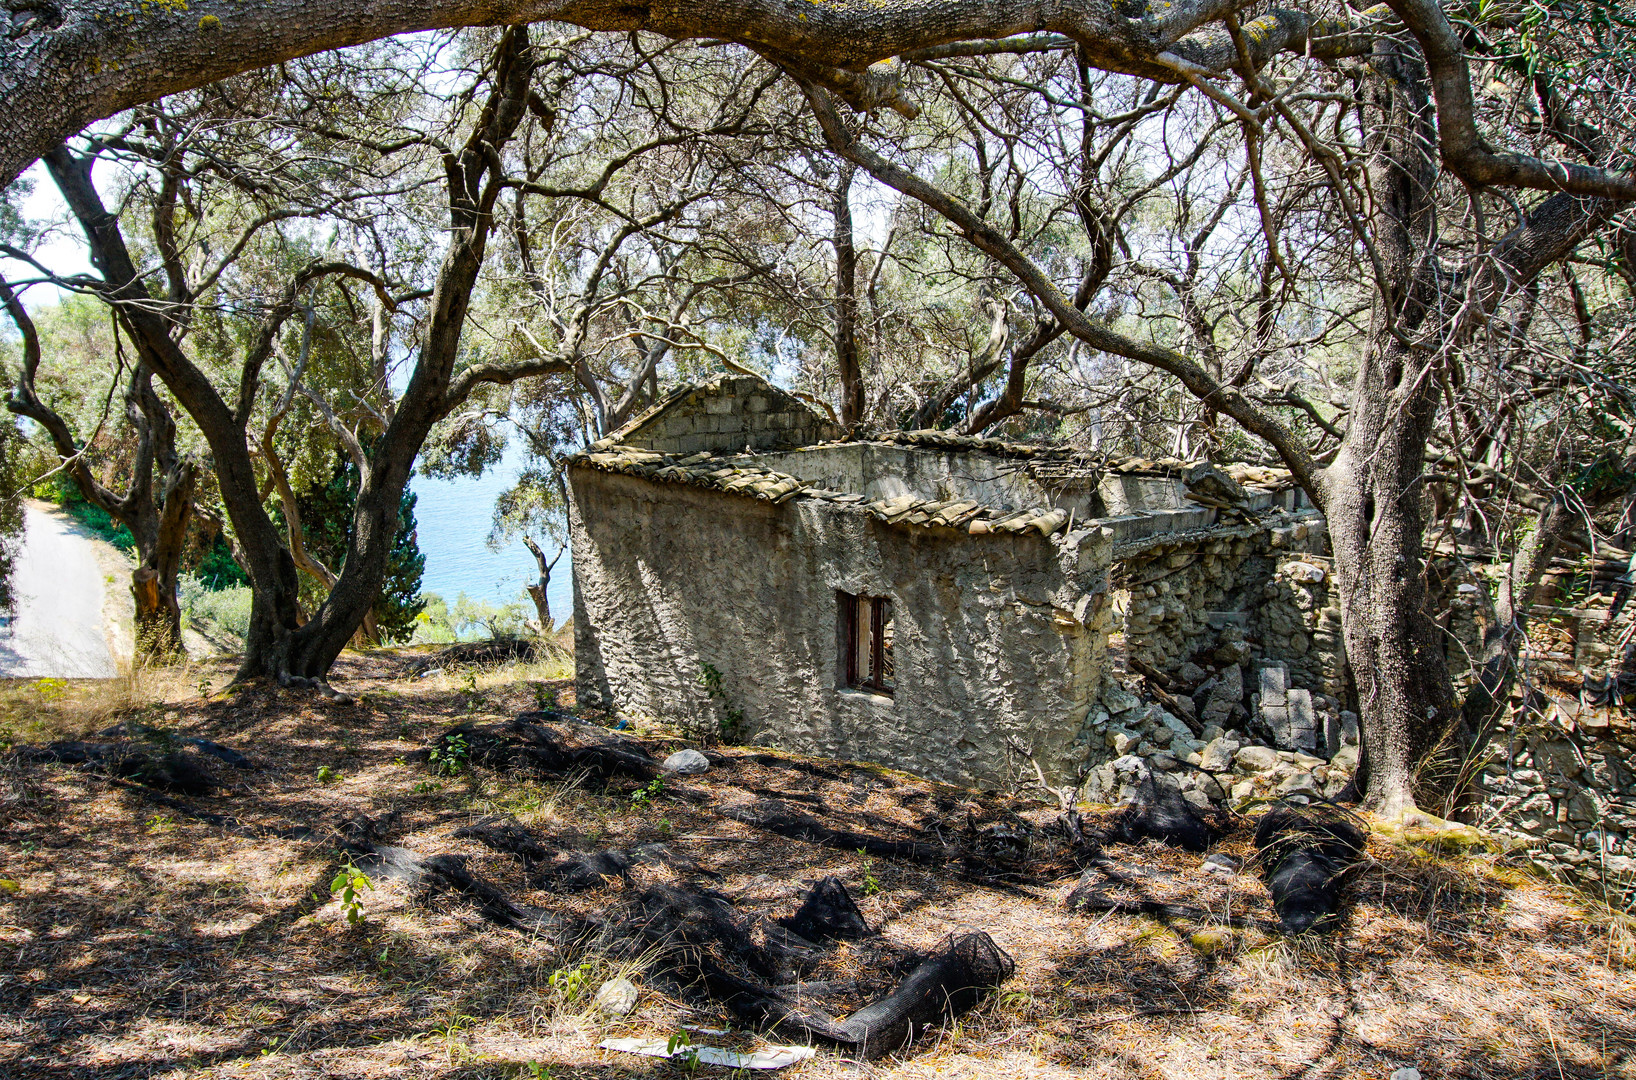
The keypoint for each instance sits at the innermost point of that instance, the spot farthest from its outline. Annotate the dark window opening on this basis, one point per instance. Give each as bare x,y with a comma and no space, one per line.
866,643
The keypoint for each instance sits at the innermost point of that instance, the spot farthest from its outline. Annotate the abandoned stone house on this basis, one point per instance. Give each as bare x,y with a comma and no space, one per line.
969,609
959,608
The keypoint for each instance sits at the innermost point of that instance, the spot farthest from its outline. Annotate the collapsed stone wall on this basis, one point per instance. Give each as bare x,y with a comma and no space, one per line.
1298,621
1557,776
1234,671
1176,590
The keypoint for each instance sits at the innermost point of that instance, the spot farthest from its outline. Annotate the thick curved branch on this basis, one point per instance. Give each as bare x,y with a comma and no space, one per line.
1462,146
93,58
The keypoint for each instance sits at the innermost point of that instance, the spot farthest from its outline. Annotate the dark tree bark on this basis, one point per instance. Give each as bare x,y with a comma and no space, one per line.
157,519
847,362
1372,492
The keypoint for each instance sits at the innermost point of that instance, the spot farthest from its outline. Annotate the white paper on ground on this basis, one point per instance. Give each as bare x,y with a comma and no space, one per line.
768,1057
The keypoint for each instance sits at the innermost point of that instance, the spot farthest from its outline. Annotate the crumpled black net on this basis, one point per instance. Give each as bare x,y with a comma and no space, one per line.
709,944
828,911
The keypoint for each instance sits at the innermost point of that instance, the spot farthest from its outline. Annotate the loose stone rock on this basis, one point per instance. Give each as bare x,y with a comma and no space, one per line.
1257,759
1217,756
687,762
616,997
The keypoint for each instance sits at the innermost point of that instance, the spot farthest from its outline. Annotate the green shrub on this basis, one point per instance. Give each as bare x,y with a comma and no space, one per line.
220,612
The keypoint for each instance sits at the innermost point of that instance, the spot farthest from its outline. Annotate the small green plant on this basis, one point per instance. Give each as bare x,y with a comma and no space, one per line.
51,690
204,689
665,826
871,883
544,697
570,983
731,724
449,756
275,1045
642,796
454,1023
540,1072
161,823
423,786
681,1051
468,686
351,882
327,775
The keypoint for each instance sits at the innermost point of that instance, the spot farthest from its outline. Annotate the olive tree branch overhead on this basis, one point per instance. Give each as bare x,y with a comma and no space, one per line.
69,64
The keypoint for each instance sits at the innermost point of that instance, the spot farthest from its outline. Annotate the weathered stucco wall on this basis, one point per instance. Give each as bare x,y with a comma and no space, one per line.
886,471
998,636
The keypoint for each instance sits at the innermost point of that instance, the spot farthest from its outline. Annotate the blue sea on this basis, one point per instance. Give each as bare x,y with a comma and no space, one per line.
452,520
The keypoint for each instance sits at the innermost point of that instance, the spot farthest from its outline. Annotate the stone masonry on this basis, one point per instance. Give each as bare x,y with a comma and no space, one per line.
710,567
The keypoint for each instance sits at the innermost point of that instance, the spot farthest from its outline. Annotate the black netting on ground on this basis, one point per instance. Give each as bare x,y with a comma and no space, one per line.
950,982
508,836
786,821
446,875
436,876
496,651
1159,812
707,943
1103,888
582,870
222,753
828,911
999,845
525,744
182,771
1305,853
701,929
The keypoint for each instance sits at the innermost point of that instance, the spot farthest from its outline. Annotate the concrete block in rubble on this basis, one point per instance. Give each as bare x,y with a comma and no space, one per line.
1340,731
1303,721
1274,684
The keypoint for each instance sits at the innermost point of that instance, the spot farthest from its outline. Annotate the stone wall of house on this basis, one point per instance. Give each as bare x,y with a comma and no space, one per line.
879,470
1560,778
1234,666
726,415
999,638
1298,621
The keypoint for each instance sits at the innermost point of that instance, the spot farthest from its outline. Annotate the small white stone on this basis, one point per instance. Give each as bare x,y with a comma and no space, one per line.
687,762
1304,571
616,997
1406,1073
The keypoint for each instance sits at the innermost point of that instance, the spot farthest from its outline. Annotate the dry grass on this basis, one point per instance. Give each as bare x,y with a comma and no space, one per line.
147,942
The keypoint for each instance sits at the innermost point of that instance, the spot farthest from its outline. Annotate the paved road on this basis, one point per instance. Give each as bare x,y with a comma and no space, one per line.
57,628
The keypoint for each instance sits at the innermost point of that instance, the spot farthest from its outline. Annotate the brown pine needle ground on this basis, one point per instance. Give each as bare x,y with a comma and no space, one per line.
142,941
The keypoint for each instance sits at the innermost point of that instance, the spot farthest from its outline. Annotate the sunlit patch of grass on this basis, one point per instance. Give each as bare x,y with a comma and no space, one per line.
47,710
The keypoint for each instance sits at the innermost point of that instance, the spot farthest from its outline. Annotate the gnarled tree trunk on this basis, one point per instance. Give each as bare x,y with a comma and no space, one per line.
280,645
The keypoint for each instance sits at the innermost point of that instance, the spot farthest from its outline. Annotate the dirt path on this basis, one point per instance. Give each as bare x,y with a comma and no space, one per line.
59,629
